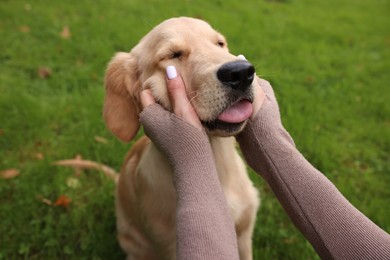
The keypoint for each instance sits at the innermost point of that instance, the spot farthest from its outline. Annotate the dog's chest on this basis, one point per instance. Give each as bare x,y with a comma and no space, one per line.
157,172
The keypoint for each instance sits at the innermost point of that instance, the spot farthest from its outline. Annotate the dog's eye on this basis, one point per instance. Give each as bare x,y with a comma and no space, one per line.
221,44
176,55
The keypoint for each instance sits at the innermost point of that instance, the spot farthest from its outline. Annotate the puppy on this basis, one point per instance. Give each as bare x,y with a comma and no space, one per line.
219,86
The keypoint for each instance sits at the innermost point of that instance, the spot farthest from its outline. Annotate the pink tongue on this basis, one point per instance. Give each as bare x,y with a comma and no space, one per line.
237,113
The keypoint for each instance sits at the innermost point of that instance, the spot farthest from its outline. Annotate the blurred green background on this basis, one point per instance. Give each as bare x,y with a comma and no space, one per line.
328,61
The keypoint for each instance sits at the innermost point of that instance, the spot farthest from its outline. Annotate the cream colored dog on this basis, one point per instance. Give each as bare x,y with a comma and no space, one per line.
219,86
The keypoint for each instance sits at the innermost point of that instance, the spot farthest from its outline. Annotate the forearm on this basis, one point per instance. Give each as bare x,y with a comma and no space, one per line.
204,226
332,225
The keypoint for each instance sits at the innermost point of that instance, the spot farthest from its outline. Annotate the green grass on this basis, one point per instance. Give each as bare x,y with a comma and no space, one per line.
328,62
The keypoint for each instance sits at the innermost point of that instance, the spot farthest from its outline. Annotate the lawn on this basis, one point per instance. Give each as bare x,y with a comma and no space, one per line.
328,61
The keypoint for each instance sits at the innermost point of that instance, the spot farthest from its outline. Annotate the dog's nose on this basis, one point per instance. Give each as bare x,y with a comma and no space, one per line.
236,74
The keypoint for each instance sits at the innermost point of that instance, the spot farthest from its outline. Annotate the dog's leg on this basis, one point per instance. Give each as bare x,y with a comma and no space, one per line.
245,230
245,245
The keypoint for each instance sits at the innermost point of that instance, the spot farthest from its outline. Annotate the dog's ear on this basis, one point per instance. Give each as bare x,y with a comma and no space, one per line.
121,110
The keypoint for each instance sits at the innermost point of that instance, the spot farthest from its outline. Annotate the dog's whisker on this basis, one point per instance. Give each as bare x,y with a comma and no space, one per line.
192,92
197,94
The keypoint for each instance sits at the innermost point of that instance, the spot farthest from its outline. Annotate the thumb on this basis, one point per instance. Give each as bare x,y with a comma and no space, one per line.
147,98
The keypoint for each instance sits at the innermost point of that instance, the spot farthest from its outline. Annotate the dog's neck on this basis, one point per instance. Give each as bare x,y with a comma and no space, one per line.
226,157
224,150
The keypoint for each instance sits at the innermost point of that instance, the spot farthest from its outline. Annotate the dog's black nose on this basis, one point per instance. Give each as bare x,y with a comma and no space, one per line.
236,74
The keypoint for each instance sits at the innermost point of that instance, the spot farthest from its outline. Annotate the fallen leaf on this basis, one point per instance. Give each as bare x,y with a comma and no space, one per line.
39,156
102,140
44,200
63,201
78,165
65,33
47,201
44,72
24,29
9,173
1,132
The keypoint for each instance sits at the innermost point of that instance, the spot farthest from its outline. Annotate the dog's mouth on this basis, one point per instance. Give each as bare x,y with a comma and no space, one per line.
231,119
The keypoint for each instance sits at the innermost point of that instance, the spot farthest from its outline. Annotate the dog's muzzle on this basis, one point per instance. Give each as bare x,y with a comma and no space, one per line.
238,77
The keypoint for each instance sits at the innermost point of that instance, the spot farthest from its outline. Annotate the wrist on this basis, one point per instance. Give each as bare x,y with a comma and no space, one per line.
172,135
267,120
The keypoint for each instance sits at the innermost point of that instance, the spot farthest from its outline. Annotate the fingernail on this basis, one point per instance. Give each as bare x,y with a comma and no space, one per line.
241,57
171,72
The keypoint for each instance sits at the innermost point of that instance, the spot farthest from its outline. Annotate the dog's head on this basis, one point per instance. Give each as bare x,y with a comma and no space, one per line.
218,84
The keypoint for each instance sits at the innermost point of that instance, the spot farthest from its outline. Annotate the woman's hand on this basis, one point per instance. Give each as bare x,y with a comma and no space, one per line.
182,107
259,97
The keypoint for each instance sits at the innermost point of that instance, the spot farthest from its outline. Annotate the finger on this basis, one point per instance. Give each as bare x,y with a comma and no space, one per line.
177,92
182,107
241,57
266,86
258,100
147,98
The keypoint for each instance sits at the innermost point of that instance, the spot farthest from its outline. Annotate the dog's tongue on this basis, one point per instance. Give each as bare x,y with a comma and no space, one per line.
237,113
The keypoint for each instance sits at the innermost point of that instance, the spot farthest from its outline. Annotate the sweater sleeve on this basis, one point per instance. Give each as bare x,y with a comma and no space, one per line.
204,226
335,228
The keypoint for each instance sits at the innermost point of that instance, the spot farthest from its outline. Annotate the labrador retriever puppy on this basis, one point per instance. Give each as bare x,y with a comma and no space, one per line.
219,86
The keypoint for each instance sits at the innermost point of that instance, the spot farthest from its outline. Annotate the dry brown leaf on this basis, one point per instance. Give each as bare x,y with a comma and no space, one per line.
47,201
39,156
44,200
78,165
9,173
44,72
1,132
24,29
102,140
65,33
63,201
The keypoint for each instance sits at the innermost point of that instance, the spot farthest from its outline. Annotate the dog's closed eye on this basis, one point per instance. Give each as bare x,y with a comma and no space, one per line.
221,44
176,55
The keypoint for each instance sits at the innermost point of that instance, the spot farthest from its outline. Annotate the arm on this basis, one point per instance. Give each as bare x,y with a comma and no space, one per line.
204,227
335,228
202,217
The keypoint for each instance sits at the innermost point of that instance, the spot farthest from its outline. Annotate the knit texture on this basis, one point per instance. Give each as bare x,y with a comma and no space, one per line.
205,230
204,225
335,228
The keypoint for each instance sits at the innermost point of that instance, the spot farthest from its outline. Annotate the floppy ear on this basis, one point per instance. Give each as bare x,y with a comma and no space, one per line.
120,110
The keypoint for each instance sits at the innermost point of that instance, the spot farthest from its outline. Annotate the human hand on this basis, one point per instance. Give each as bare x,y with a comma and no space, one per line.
259,97
177,134
182,107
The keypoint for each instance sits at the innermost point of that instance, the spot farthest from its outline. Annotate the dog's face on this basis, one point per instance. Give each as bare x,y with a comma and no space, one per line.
218,84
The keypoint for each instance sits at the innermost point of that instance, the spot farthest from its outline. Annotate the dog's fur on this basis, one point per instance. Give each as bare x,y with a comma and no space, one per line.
145,195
